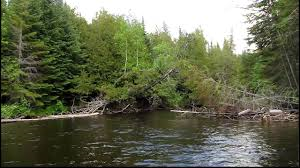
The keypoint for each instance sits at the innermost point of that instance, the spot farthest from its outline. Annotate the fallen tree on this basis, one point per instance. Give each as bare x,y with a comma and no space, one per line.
49,117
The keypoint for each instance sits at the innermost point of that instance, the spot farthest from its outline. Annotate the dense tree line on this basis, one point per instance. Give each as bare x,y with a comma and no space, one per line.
51,58
275,31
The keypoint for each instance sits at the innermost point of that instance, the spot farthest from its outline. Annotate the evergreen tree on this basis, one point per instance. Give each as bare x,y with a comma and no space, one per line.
64,58
273,23
25,51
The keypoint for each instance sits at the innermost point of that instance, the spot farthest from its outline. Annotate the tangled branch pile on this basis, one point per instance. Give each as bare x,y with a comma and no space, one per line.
90,107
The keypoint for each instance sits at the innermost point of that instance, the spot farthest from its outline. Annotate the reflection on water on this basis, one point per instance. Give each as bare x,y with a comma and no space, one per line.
149,139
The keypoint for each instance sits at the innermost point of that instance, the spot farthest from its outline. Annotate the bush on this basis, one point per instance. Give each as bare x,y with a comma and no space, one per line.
114,93
15,110
55,109
167,92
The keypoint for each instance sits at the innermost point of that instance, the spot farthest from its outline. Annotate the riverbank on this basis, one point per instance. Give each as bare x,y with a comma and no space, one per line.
49,117
248,114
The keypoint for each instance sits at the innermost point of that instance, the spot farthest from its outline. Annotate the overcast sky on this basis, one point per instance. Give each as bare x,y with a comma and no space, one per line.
215,17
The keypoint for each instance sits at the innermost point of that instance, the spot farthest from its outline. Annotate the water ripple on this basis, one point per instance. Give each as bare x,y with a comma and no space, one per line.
153,139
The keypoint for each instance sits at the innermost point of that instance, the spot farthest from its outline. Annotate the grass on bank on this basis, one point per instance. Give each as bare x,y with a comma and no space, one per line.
16,110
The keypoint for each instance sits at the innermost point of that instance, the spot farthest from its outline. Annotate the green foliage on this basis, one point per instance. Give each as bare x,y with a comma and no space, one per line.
15,110
50,55
131,44
168,93
114,93
54,109
203,90
197,48
164,62
84,84
162,43
257,80
104,60
275,31
64,60
23,109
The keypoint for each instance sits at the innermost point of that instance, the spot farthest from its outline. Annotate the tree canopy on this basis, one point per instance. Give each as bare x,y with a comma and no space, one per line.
51,57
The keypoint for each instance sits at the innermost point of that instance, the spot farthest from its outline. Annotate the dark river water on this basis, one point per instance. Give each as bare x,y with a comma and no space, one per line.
148,139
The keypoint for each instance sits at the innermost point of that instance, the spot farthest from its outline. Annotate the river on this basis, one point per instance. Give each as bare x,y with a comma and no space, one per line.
148,139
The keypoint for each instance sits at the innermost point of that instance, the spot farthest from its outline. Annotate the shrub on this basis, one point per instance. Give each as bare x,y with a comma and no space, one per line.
15,110
56,108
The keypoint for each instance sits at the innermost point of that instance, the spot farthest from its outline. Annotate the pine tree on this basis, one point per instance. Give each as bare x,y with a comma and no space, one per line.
274,27
25,50
62,62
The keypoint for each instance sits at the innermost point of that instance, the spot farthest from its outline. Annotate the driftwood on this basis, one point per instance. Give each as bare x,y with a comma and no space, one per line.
49,117
243,99
205,112
103,109
244,112
274,112
121,111
248,114
98,105
191,112
90,107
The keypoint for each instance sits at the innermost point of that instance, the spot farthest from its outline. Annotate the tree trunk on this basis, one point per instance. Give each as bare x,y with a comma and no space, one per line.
125,58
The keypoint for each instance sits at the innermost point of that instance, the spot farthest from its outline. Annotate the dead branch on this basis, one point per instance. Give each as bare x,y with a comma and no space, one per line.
244,112
121,111
92,106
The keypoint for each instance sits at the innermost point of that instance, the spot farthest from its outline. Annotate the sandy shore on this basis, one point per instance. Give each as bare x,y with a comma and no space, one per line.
49,117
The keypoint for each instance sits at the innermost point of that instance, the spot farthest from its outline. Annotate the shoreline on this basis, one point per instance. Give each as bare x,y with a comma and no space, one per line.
248,115
183,112
50,117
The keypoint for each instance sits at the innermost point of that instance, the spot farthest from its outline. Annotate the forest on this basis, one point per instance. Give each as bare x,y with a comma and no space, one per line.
52,61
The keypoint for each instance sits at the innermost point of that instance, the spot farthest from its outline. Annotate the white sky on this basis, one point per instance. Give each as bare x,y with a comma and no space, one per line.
215,17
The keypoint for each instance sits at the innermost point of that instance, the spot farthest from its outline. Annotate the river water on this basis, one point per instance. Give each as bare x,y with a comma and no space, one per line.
148,139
